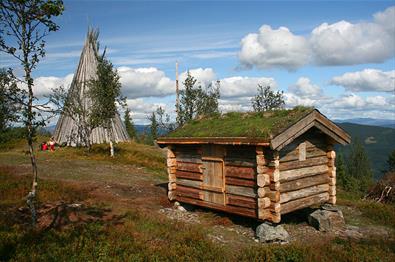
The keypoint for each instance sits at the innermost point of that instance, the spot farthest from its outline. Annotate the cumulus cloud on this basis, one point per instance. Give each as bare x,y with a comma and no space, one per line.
304,93
344,43
204,76
305,88
340,43
366,80
239,86
292,100
274,48
136,82
236,86
239,104
352,105
141,109
145,82
152,82
43,85
346,105
349,101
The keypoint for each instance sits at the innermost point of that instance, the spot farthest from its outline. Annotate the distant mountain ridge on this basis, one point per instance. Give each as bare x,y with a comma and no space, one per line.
369,121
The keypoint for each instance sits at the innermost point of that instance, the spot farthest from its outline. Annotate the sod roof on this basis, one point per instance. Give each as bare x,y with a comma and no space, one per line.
236,124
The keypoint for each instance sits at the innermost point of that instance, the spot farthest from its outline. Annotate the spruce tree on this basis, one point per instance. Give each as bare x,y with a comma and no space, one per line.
129,125
391,161
153,128
341,175
358,167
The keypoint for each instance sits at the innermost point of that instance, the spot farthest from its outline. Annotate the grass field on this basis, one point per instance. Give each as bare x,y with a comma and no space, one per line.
93,207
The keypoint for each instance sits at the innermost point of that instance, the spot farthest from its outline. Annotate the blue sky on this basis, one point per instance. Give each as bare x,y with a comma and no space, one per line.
346,69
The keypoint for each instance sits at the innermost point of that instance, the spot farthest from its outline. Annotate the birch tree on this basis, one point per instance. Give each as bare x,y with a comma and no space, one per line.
195,101
266,99
23,28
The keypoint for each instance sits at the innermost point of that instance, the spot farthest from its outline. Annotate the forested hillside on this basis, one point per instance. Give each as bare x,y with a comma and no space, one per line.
378,142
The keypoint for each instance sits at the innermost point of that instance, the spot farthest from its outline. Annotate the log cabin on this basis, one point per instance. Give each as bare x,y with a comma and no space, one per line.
259,165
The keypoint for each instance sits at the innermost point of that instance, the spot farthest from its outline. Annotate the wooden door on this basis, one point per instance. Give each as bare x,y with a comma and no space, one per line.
213,175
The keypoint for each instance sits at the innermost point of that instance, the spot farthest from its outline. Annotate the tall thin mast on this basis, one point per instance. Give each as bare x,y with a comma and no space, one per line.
177,92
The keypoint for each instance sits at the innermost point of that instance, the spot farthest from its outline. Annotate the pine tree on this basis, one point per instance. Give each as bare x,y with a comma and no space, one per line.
129,125
358,167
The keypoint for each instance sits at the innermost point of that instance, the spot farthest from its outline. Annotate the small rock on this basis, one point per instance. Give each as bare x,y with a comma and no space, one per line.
75,205
269,233
181,208
327,220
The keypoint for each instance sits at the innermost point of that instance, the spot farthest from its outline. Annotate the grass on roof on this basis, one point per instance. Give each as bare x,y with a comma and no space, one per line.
238,124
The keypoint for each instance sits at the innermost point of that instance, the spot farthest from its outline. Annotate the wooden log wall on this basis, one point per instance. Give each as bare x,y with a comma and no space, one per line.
240,179
185,167
306,176
188,172
268,181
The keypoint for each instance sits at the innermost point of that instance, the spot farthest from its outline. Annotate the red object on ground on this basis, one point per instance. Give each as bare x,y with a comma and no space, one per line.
44,147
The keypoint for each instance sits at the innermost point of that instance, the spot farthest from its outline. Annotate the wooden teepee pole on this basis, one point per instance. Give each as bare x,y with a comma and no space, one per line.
177,91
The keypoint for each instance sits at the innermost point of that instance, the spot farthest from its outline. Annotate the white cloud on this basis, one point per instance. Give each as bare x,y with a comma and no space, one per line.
239,104
292,100
305,88
367,80
340,43
377,101
386,19
141,109
136,82
145,82
152,82
274,48
344,43
349,101
239,86
236,86
352,106
43,85
304,93
204,76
